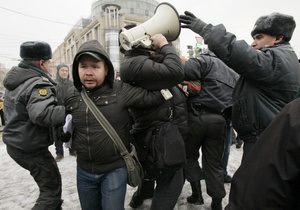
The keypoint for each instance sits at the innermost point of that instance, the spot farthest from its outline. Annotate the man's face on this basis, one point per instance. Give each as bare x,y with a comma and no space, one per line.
63,72
265,40
92,72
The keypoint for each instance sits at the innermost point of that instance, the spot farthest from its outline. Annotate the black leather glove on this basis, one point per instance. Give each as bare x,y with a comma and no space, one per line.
62,136
192,22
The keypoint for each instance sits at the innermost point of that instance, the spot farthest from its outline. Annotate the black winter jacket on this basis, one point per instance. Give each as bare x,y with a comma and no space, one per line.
217,82
30,108
269,78
152,117
161,71
96,152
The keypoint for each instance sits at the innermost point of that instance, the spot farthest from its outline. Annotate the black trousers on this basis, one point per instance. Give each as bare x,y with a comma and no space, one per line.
43,168
169,182
207,131
167,191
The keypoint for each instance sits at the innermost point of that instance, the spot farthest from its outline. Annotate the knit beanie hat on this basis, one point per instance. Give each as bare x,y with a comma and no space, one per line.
275,24
61,65
33,50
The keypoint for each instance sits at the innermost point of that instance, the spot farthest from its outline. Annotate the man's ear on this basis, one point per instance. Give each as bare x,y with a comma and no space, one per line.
279,39
40,63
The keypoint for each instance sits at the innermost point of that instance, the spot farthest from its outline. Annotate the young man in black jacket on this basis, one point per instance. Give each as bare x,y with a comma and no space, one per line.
101,170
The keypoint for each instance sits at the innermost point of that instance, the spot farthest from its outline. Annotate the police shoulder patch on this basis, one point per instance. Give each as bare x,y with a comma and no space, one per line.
43,92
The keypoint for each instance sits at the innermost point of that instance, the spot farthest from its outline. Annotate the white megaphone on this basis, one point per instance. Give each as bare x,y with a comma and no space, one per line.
165,21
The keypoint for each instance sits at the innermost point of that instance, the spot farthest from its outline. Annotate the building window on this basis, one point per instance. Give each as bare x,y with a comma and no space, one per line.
89,36
96,33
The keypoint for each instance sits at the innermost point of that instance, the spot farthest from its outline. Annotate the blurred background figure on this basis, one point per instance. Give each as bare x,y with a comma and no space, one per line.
63,84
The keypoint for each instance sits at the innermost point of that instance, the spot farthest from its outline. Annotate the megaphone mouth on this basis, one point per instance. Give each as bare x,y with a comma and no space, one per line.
165,21
170,39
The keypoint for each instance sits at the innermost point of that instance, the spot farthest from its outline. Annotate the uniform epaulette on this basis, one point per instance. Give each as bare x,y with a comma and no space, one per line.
45,79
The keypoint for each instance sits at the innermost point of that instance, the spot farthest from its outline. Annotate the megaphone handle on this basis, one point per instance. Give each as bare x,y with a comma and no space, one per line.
145,41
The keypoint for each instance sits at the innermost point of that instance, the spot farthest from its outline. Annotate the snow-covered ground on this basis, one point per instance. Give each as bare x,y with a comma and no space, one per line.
19,191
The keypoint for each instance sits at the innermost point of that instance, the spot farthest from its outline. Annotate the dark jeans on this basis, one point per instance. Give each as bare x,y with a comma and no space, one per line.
102,191
207,131
43,168
59,149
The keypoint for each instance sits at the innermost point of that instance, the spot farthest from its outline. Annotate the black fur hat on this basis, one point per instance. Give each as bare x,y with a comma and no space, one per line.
275,24
33,50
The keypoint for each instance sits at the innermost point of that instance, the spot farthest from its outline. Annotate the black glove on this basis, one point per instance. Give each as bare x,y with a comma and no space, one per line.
62,136
192,22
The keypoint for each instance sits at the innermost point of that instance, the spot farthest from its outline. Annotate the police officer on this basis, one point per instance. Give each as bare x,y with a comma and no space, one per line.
31,111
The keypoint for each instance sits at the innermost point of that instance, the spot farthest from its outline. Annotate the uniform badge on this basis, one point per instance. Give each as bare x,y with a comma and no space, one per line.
43,92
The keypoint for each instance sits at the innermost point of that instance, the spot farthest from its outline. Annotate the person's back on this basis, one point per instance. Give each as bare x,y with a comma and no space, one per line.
22,112
207,125
269,176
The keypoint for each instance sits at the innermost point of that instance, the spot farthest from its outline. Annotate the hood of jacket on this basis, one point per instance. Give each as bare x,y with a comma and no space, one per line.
95,47
24,71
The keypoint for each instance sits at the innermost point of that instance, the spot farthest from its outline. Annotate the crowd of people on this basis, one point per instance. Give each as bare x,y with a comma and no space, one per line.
248,88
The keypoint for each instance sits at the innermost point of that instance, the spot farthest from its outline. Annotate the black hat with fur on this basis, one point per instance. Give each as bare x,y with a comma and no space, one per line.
35,50
275,24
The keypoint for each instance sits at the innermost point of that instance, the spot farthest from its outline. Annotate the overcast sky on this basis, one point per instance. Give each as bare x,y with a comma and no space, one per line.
50,21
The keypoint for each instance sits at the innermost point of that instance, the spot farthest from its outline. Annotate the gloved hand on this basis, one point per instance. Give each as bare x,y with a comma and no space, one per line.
62,136
192,22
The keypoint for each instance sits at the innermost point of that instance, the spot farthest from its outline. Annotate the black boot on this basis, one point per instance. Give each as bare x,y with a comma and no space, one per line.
216,204
196,197
144,191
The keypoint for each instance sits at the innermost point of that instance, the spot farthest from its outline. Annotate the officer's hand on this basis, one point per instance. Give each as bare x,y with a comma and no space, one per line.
62,136
191,22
